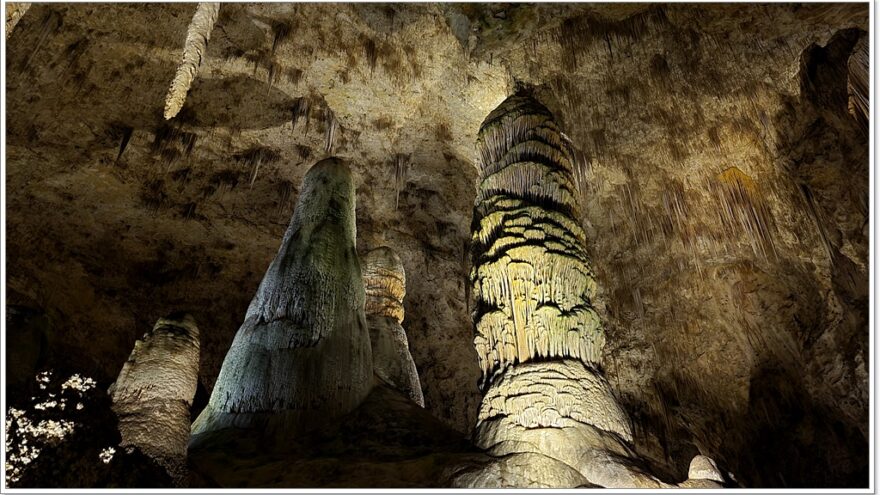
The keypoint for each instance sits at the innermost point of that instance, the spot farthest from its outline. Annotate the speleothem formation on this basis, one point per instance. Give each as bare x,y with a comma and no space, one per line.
14,12
385,285
721,174
548,411
302,356
194,49
154,392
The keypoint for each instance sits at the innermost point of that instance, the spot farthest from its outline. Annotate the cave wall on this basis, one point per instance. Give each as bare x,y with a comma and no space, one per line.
727,196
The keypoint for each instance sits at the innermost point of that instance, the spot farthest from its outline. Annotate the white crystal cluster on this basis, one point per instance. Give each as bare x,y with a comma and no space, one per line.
26,437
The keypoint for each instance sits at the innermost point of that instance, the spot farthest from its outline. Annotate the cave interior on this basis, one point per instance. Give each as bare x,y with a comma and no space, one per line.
266,245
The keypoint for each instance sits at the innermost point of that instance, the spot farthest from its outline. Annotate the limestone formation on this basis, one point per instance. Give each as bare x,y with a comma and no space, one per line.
385,285
302,356
538,338
857,82
14,12
194,48
155,389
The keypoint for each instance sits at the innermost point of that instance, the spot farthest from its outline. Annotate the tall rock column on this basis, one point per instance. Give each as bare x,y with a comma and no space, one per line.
547,409
385,284
154,392
302,356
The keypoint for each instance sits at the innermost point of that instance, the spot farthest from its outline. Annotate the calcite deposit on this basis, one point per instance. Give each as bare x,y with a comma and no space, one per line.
197,36
720,171
154,392
302,356
538,337
385,286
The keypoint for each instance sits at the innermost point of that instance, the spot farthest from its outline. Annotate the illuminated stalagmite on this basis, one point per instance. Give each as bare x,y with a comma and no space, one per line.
385,284
548,413
155,389
302,356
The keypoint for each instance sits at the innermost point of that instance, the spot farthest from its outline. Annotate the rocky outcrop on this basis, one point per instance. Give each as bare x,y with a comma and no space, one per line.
154,392
302,356
385,285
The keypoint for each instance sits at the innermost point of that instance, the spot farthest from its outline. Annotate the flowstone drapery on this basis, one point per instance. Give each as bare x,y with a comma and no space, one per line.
154,392
302,356
548,413
385,284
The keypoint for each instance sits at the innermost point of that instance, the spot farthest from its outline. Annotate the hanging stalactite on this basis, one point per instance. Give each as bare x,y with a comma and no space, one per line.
14,12
194,49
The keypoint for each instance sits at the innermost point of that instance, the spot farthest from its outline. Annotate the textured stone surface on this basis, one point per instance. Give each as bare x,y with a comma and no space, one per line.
197,36
302,356
385,286
154,392
384,283
14,12
538,338
704,468
712,348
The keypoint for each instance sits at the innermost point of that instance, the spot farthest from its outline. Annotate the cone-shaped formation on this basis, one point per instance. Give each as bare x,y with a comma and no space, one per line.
194,48
385,284
154,392
302,356
531,274
548,414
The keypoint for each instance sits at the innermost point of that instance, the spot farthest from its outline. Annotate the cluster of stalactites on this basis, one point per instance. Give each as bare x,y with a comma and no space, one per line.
384,283
531,274
154,392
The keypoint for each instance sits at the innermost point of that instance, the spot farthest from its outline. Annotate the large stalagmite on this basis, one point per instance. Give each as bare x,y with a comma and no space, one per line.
547,413
155,389
302,356
385,284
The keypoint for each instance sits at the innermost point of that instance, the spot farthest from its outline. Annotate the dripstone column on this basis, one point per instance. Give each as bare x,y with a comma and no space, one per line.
385,284
302,356
547,408
154,392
